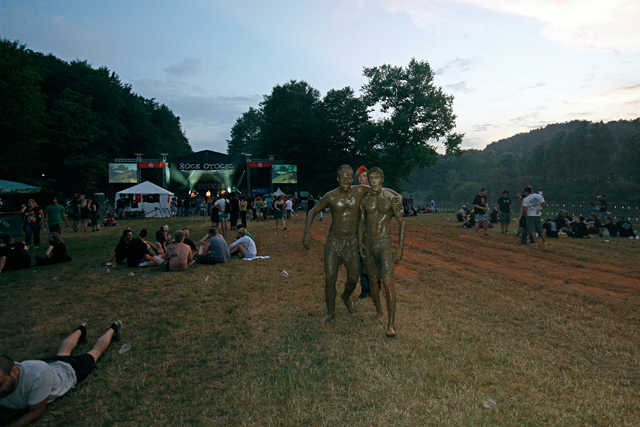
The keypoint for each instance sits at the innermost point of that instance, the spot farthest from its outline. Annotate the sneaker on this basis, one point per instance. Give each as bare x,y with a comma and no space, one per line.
83,332
117,331
364,294
506,232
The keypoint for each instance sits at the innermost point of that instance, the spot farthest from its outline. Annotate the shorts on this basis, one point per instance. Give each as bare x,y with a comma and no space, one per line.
223,216
505,218
482,217
57,228
82,365
379,257
534,224
345,248
278,215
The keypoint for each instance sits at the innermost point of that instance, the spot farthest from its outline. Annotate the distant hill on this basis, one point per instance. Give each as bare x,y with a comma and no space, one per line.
522,143
571,161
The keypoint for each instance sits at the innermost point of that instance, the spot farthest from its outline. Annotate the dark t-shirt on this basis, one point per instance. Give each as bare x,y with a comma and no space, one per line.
603,205
17,256
504,204
136,252
190,243
625,229
310,204
480,201
58,253
121,251
33,216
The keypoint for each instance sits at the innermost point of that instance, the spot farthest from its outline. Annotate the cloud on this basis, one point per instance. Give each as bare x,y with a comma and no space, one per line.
458,87
581,24
456,65
537,85
188,67
483,127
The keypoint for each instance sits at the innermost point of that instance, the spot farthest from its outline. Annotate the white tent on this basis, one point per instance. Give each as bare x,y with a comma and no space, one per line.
154,201
278,193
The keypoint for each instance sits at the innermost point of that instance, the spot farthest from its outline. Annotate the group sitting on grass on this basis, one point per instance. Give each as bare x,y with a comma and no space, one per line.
137,252
15,255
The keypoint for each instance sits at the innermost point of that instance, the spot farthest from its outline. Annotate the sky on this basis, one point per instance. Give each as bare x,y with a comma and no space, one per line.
511,65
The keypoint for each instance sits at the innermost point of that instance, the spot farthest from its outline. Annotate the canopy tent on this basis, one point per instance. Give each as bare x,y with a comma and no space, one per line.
154,201
278,193
16,187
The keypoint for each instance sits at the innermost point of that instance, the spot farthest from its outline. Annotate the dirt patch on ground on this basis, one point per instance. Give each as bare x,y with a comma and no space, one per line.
468,257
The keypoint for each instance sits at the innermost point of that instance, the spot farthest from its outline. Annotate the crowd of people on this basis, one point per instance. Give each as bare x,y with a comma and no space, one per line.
598,223
180,252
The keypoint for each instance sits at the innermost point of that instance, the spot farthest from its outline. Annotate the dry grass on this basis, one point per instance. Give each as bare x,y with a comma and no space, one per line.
550,334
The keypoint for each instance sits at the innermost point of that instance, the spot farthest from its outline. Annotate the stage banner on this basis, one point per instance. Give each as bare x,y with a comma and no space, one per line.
151,165
259,164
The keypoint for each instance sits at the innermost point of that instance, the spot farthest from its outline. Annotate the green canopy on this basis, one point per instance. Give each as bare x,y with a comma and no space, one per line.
16,187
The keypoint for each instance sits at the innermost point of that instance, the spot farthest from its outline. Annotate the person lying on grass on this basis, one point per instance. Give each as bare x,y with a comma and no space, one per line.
244,245
33,384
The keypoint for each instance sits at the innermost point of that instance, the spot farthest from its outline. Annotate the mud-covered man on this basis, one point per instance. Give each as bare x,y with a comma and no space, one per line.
342,241
376,244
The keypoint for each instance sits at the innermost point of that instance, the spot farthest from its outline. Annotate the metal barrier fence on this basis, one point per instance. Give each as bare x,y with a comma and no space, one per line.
615,209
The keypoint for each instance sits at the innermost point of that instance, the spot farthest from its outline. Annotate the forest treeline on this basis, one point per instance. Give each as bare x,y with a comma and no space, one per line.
572,161
392,123
61,123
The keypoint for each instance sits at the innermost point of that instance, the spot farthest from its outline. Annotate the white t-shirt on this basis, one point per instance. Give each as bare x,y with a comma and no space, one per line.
249,244
533,202
39,380
222,203
288,205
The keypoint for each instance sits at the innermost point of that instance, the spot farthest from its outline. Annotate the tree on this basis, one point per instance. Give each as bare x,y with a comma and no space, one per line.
413,112
245,134
292,130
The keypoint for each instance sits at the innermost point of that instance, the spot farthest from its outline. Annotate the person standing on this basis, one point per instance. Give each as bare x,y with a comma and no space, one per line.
54,214
504,206
532,206
288,206
221,205
481,211
376,245
243,210
341,246
235,211
279,211
602,207
32,218
362,176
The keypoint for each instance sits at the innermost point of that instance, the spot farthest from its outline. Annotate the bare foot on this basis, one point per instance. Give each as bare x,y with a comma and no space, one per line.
328,318
391,332
351,306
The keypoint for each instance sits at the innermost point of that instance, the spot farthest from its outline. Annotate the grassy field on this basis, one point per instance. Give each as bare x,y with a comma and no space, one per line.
550,334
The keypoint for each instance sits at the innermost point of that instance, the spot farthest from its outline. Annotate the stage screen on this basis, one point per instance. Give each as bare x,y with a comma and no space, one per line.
123,173
284,174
